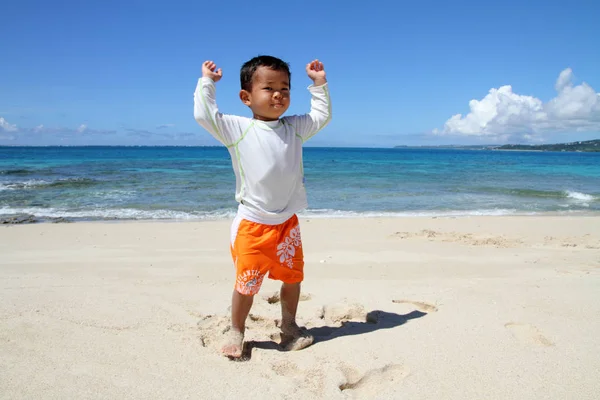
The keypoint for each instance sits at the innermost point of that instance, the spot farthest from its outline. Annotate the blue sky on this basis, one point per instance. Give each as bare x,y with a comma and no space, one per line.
124,72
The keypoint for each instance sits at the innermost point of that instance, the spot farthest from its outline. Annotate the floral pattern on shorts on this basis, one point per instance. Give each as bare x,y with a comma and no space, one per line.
287,248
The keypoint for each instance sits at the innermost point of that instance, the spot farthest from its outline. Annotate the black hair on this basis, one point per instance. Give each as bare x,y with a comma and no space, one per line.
250,67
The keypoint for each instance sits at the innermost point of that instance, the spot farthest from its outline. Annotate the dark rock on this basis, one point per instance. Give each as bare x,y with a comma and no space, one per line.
18,219
60,220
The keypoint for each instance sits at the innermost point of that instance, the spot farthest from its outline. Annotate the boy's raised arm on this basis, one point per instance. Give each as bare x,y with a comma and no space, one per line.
224,128
320,104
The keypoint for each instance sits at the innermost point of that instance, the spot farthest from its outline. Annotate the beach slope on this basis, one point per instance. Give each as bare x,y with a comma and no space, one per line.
404,308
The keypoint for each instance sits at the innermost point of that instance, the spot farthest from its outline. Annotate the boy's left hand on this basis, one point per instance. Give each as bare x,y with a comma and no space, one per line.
316,72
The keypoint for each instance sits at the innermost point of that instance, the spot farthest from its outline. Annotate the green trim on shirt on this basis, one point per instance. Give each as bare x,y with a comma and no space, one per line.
239,161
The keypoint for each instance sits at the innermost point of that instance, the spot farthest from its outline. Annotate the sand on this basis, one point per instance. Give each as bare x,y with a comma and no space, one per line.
405,308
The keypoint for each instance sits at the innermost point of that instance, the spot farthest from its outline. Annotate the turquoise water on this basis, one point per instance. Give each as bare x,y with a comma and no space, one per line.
198,182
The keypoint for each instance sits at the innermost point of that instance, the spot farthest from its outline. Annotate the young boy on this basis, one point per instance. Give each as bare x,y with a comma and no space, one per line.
266,155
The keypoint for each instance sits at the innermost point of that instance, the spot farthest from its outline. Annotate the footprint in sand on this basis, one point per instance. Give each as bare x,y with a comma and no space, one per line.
528,334
274,298
286,368
312,380
464,238
213,327
339,313
258,322
585,241
373,380
421,306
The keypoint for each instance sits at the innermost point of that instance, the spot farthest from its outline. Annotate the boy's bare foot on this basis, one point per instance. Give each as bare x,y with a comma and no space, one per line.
295,338
233,344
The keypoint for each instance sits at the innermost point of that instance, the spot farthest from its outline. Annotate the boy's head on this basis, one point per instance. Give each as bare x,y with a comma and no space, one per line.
265,82
250,67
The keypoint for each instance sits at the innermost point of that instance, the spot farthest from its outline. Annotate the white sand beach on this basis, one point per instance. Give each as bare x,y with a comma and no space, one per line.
403,308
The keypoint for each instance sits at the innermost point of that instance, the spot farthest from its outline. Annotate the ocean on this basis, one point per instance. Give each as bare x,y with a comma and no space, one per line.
197,183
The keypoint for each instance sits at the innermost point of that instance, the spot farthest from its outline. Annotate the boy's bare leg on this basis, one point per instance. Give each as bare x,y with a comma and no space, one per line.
293,337
240,308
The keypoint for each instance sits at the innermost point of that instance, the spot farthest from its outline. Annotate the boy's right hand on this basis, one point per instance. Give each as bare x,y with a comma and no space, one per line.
209,70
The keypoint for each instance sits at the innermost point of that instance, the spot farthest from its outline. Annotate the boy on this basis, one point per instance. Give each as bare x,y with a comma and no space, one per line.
266,155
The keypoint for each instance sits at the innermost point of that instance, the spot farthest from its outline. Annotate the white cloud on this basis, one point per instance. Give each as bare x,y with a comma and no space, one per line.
6,127
42,129
564,79
143,133
502,113
82,129
164,126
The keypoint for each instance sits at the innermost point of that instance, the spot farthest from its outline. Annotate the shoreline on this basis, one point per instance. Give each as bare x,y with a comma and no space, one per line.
28,219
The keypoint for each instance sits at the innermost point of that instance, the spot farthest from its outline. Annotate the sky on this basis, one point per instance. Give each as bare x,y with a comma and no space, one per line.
399,72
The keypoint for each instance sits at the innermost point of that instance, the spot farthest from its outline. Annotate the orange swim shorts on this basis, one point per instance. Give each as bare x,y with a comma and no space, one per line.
258,248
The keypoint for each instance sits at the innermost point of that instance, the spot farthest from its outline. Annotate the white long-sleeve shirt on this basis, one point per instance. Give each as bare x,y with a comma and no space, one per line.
266,156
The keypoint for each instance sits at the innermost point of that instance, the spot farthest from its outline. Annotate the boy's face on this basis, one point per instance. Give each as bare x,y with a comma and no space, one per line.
270,94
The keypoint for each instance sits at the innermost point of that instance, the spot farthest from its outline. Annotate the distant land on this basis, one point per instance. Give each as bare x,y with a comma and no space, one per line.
581,146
